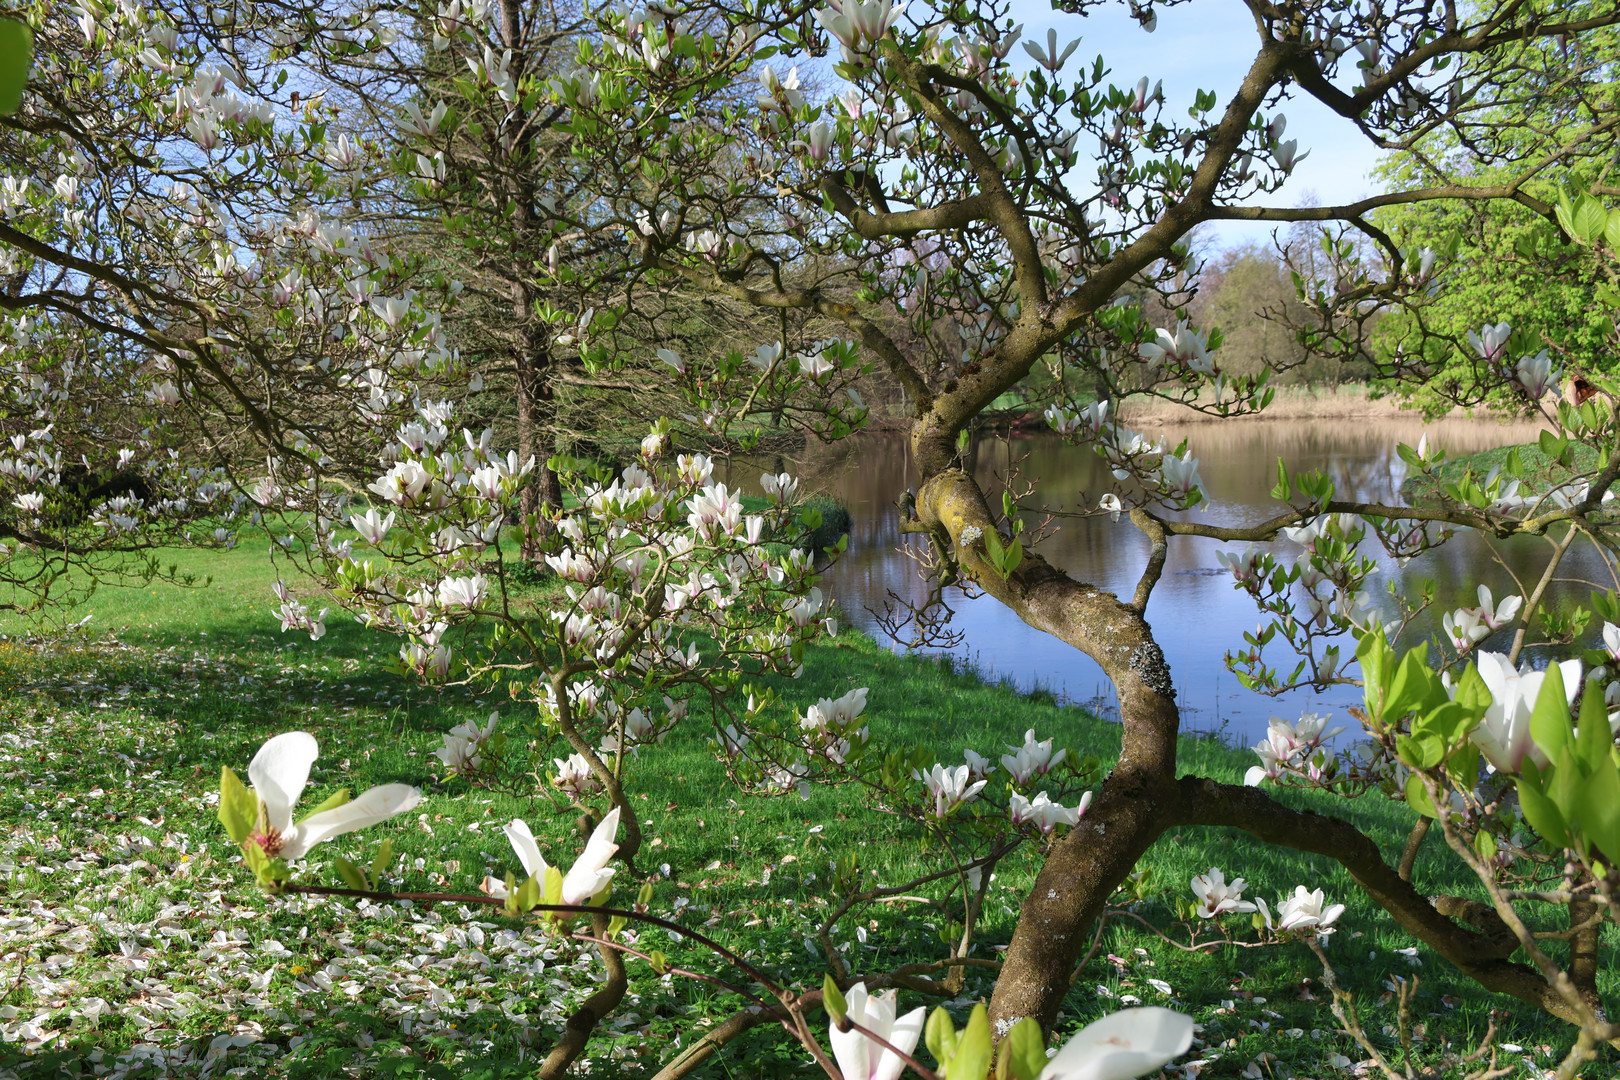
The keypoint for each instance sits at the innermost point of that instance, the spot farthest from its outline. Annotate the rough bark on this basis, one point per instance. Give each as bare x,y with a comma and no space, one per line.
536,409
1135,803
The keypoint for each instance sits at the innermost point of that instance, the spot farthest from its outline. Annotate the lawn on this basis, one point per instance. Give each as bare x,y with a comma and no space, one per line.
132,941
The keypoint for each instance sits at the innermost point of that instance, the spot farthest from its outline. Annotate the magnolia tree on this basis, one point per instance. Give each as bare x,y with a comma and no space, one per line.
963,218
1000,208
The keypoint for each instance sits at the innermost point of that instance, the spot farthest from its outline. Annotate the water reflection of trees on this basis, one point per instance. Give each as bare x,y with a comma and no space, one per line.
1199,612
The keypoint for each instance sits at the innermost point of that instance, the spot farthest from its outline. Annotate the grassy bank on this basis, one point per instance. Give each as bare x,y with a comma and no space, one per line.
132,943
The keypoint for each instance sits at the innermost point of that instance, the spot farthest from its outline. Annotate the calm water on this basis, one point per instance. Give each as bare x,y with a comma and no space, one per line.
1196,614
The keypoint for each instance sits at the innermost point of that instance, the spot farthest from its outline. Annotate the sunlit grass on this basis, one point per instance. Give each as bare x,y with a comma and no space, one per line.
118,733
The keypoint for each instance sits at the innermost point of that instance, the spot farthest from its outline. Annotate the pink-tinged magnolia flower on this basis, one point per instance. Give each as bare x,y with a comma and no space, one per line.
371,527
1464,628
1129,1043
1045,814
1535,375
1049,58
280,771
1184,346
1180,475
858,1056
574,775
779,488
1242,565
1064,423
1032,759
1218,897
820,143
1491,341
463,749
1496,616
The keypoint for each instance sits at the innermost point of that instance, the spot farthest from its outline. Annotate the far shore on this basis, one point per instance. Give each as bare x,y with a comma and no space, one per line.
1350,402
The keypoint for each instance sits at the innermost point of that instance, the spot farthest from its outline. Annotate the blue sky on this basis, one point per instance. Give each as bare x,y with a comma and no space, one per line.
1208,45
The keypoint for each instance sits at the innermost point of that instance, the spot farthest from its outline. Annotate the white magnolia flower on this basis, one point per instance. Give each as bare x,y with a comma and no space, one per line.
1045,814
590,875
1180,475
1305,911
1032,759
280,771
1129,1043
1217,897
950,788
858,1056
1111,503
1464,628
463,592
1183,346
1503,736
780,487
371,527
463,749
1611,640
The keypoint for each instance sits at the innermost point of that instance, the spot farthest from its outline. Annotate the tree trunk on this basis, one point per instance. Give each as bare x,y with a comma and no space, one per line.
536,411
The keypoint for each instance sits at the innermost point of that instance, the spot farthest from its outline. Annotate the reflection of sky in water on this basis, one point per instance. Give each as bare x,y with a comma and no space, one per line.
1195,612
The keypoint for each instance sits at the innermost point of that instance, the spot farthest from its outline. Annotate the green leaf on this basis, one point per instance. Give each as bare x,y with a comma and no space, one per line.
940,1035
1611,231
1595,739
973,1049
1464,762
238,807
1590,218
1550,725
1417,797
1539,810
352,875
832,999
16,57
1023,1050
384,856
659,962
1597,805
552,892
1485,845
1377,661
1414,687
528,894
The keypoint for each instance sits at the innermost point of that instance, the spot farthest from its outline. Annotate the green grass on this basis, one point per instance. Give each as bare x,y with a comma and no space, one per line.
115,878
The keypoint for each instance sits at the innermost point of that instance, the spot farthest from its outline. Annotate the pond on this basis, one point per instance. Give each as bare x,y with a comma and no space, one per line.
1196,613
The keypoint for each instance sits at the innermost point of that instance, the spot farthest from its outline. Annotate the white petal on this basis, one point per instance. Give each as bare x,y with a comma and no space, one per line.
587,877
1122,1045
377,804
903,1034
851,1049
279,772
528,852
